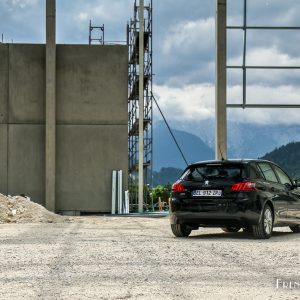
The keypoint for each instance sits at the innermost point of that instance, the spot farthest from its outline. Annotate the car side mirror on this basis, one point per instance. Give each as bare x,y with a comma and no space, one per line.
296,183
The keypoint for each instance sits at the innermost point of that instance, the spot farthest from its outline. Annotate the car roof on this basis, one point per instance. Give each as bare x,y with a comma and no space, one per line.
230,161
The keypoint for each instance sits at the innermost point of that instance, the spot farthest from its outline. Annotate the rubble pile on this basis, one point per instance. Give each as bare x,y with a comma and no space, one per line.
20,209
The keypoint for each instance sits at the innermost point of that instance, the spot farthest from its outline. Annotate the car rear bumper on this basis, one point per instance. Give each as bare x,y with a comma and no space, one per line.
225,214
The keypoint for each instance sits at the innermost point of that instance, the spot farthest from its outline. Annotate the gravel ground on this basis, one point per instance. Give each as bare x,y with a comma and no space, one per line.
138,258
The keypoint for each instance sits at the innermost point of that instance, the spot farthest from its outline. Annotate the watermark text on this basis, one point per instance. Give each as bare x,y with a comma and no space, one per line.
287,284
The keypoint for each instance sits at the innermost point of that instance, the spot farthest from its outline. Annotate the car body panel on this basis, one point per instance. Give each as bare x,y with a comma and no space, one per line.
293,214
243,208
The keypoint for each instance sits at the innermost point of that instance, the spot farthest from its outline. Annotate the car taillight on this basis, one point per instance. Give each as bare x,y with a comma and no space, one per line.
243,186
177,188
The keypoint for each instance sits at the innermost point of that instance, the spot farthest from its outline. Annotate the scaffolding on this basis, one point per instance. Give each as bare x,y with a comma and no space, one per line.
133,107
244,67
96,34
222,67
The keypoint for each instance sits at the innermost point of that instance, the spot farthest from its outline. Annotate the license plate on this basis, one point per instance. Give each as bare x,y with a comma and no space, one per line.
207,193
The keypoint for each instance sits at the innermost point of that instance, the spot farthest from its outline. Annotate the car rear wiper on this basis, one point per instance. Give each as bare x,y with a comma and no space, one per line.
216,176
194,179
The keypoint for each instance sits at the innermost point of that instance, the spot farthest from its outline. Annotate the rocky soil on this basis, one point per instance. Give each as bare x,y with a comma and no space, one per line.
20,209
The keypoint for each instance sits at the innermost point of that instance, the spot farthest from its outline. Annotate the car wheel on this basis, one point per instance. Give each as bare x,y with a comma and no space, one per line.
231,228
180,230
263,230
295,228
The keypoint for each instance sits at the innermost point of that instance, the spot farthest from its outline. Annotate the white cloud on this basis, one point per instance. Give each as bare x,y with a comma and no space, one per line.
196,102
257,94
12,4
22,20
73,20
83,16
190,102
266,57
104,10
190,36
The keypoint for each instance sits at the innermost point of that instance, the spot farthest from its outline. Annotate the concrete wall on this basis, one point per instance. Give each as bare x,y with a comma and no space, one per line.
27,85
90,88
26,161
86,157
3,83
91,123
3,159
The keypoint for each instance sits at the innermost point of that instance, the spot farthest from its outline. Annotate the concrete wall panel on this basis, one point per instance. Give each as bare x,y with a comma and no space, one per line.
26,83
86,156
3,159
91,102
92,84
3,83
26,169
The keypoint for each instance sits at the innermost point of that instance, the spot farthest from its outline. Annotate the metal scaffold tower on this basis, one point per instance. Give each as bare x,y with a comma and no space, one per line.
221,71
140,100
96,34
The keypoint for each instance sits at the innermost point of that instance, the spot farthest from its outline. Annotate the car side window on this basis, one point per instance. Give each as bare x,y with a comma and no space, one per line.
268,172
282,176
254,173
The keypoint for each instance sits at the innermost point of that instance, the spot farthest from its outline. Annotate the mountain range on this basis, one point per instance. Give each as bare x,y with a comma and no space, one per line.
288,157
244,141
197,141
166,175
166,154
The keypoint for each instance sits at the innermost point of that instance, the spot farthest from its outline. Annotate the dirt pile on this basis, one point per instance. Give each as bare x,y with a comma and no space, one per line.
20,209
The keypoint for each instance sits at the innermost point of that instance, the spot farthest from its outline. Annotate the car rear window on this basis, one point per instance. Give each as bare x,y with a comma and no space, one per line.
224,171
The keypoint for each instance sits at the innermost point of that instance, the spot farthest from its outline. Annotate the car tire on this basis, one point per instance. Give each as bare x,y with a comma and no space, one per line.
295,228
180,230
231,228
263,230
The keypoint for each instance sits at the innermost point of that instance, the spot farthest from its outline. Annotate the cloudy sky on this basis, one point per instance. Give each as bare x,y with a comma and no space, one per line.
184,49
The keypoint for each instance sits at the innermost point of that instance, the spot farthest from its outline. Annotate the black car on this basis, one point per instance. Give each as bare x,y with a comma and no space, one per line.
255,195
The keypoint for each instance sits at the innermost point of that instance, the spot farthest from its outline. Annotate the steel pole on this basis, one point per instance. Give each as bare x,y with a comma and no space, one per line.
141,108
221,81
